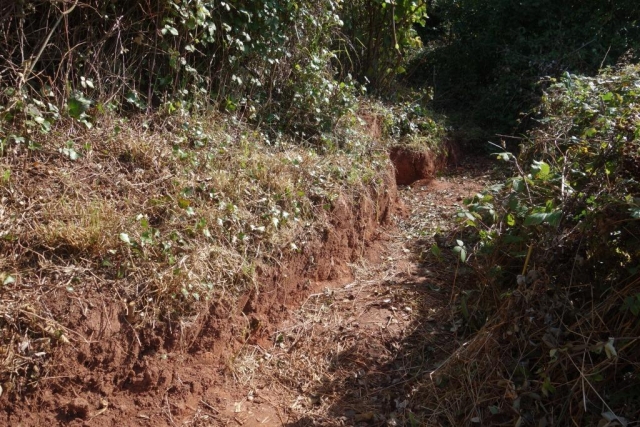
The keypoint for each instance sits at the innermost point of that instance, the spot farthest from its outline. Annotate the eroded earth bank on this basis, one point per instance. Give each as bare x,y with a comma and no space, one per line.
344,332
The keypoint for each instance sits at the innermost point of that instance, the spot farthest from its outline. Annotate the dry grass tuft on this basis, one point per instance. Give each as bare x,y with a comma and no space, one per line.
585,368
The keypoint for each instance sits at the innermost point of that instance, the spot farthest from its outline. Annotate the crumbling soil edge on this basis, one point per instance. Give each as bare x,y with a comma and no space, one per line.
159,375
413,165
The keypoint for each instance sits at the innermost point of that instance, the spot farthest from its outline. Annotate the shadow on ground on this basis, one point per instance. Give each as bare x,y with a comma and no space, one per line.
392,379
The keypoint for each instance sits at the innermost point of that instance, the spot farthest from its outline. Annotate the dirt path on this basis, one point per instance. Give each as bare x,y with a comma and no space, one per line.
355,355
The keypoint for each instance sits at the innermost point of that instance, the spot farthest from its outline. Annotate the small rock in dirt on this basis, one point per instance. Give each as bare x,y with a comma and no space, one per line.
78,408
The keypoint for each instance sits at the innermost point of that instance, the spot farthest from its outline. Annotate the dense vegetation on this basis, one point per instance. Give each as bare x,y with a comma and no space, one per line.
556,251
249,119
284,64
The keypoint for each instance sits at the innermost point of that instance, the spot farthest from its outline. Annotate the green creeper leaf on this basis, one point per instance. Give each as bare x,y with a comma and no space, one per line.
511,221
518,184
590,132
462,252
170,29
77,106
540,170
551,218
535,219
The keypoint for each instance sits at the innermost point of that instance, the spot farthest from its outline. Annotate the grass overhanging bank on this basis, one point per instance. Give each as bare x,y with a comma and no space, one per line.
150,235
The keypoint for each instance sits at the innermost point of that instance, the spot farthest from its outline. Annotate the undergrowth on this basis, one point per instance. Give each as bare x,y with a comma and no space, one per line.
552,327
485,58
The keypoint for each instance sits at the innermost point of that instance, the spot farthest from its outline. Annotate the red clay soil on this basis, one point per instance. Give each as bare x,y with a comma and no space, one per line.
412,165
116,375
360,354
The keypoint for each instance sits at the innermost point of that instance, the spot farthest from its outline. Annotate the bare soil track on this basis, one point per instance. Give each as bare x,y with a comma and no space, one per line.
338,335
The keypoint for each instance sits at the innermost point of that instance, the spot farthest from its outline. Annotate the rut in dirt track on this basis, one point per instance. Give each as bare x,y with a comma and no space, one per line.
358,354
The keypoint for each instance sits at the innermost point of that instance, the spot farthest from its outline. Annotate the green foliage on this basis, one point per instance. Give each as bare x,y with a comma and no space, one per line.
582,180
380,37
267,61
284,63
558,245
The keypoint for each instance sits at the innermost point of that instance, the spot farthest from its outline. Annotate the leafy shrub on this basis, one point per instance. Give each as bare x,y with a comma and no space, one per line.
380,35
253,58
577,184
412,123
272,62
557,250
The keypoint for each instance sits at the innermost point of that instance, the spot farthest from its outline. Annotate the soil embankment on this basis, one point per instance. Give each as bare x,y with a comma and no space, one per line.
362,354
412,165
175,373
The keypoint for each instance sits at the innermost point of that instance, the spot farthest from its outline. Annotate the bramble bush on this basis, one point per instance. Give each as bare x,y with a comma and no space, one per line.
576,191
556,250
277,63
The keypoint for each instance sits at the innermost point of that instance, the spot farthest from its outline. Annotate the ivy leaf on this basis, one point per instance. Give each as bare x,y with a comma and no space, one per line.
518,184
77,106
169,29
540,170
462,252
552,218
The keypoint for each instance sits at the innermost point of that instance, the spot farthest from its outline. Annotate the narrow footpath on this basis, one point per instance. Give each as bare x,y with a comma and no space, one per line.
359,354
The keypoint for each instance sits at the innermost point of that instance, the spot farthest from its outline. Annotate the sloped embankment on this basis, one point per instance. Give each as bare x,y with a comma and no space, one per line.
104,323
160,376
413,165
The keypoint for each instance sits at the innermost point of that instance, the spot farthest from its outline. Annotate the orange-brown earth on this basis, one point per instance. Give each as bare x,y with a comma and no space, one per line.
355,355
324,340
